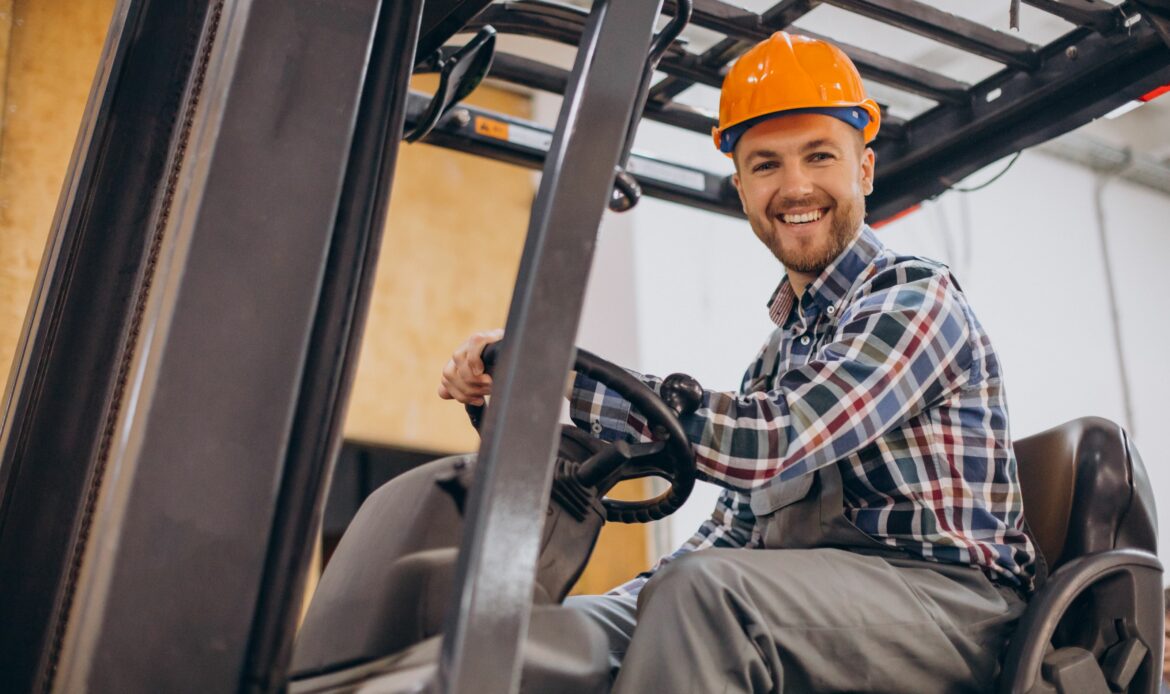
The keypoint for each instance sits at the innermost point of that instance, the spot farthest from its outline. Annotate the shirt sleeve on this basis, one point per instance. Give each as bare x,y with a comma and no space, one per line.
732,524
900,346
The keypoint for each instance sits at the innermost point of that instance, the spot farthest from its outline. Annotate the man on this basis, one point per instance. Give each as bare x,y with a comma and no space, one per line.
865,458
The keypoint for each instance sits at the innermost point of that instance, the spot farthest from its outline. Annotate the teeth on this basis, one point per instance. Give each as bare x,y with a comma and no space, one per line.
801,218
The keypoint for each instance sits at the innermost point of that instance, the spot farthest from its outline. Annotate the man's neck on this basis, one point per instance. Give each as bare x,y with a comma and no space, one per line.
799,281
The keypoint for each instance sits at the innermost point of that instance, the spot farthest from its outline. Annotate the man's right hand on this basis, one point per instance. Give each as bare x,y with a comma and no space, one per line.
463,377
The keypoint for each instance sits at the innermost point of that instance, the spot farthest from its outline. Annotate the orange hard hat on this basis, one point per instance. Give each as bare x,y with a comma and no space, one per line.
791,73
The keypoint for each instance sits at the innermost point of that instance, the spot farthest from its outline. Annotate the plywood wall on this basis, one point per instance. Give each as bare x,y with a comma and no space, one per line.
452,245
49,51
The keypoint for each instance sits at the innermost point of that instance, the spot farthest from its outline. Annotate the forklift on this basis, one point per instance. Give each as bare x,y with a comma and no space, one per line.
176,404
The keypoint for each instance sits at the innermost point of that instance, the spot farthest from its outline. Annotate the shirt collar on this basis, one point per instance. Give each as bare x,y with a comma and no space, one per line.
834,281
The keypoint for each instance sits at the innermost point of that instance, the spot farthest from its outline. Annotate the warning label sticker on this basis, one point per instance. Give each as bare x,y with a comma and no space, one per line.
491,127
516,134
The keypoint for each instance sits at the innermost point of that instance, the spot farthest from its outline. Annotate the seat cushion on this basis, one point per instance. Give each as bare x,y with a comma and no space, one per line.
565,652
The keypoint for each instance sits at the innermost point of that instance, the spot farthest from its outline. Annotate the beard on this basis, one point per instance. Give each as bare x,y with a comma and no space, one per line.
809,256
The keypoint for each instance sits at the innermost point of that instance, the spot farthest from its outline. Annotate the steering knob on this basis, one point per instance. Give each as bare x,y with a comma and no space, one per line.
489,355
682,393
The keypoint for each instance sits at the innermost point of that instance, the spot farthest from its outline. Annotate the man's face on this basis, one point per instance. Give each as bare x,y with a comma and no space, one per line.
802,180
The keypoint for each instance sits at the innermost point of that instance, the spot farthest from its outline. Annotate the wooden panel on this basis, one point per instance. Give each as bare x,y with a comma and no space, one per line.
453,240
50,53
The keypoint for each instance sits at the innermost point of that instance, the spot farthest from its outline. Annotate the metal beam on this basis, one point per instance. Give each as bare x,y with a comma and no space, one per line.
64,395
563,23
786,12
777,18
1101,17
505,138
442,19
1080,79
485,630
331,362
169,590
947,28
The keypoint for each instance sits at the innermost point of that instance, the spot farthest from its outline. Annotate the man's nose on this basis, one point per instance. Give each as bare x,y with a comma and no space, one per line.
795,182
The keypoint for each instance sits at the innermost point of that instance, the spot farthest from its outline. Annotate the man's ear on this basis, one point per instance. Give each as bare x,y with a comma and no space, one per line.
739,190
868,159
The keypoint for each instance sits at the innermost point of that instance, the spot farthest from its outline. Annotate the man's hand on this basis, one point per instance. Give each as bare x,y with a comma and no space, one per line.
463,377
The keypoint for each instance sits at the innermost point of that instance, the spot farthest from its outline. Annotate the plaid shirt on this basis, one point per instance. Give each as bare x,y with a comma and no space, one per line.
880,365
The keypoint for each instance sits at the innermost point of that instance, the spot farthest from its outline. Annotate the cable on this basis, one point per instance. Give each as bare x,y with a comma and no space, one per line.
1111,290
965,236
994,178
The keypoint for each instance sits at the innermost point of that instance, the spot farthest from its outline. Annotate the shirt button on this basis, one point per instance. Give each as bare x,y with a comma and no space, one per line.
595,425
831,310
804,340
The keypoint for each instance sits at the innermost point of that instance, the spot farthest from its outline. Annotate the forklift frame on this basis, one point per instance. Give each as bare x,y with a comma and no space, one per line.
223,214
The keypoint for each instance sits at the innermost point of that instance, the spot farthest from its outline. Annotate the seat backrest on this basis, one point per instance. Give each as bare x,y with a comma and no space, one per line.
1085,490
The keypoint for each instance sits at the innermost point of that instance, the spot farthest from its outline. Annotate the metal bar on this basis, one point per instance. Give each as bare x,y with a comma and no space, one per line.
777,18
63,394
333,348
169,590
1101,17
538,75
442,19
562,23
911,78
505,138
785,13
529,73
727,19
1080,79
1104,158
715,57
485,629
946,28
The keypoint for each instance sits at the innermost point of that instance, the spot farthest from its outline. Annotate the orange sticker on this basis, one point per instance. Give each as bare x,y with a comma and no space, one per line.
491,128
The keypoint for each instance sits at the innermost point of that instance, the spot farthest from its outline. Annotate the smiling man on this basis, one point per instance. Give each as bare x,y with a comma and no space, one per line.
869,537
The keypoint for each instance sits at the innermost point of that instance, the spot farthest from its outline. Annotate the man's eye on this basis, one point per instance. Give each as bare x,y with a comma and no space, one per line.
820,156
764,166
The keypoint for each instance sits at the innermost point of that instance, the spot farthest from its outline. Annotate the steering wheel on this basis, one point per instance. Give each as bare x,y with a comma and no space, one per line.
591,467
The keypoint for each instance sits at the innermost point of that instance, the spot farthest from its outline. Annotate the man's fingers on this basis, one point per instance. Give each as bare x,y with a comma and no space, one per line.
463,376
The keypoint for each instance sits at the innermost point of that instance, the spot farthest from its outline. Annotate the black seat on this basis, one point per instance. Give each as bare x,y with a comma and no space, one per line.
1096,624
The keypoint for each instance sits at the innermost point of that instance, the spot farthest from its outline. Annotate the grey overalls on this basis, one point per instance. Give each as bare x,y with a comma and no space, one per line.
824,607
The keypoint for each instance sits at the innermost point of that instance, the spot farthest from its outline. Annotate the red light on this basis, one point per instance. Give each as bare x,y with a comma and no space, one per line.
908,211
1155,94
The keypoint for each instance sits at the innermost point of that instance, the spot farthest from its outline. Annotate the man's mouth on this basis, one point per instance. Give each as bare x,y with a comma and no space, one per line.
804,217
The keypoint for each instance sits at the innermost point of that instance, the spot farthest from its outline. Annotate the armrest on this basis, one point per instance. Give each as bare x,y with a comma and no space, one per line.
1034,632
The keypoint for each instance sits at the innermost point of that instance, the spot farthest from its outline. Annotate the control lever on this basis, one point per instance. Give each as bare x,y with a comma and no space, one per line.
489,355
627,192
682,393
